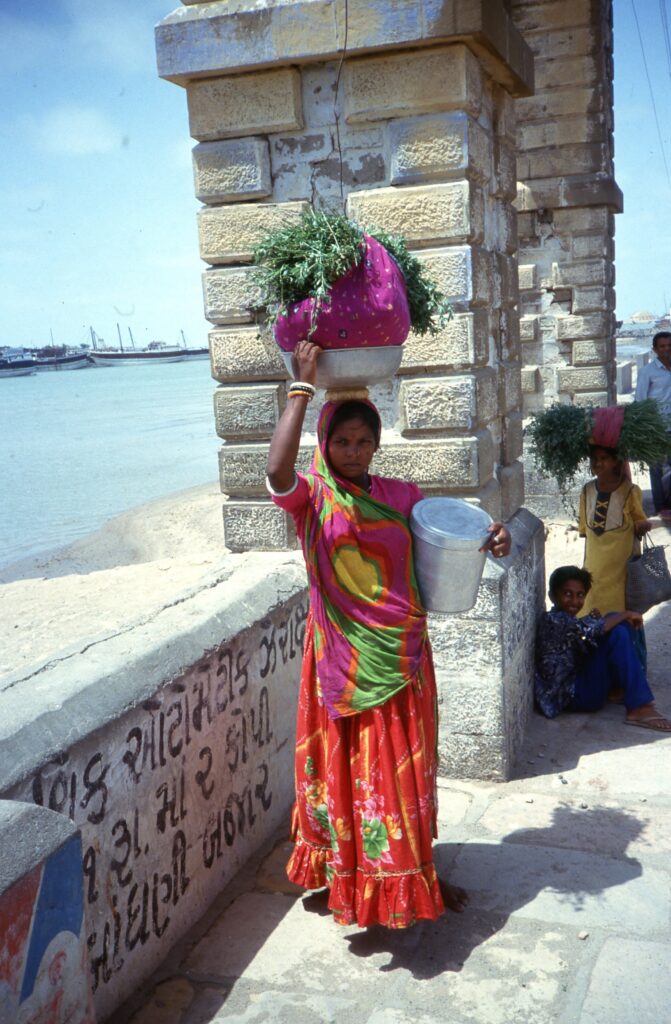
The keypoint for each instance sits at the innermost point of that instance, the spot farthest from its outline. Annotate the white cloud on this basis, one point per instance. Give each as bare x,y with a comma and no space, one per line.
76,131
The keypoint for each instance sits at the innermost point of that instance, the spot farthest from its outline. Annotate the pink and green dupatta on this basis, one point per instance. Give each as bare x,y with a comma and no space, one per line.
370,625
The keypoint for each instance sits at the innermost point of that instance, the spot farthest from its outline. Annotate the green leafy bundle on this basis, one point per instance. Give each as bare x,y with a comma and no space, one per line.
644,437
560,442
303,260
560,438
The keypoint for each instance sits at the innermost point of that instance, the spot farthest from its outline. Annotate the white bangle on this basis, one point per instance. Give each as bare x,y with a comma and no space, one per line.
305,385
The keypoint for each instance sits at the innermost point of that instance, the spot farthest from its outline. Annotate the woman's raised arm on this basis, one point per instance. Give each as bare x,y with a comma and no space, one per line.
287,435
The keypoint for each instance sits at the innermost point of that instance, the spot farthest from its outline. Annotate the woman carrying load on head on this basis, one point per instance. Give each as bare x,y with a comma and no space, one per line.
365,770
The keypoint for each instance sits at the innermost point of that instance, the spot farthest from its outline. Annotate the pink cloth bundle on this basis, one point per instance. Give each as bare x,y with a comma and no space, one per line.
368,308
607,426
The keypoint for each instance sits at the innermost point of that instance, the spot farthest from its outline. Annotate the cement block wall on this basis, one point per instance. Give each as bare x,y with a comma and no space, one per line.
166,751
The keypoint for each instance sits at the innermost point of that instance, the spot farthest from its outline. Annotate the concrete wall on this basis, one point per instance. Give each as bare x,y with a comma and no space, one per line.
170,748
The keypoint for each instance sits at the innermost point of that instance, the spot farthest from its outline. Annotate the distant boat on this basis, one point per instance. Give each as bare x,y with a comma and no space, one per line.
17,367
159,355
71,362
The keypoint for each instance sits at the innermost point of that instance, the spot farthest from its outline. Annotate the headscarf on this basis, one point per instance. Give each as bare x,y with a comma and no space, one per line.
370,625
606,429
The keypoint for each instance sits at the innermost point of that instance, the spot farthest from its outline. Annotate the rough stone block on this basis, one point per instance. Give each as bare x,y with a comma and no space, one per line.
513,436
589,352
454,463
232,170
530,380
529,329
465,274
448,403
239,105
573,378
248,413
438,146
567,131
229,234
551,14
242,468
504,115
574,328
402,84
587,272
527,227
506,216
586,220
257,526
592,399
244,354
424,215
527,276
592,300
504,181
578,158
508,277
510,387
567,42
464,341
559,103
589,246
511,479
230,295
509,335
553,74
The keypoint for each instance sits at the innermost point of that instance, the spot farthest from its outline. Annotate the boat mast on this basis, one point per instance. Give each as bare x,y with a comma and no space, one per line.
183,339
118,330
93,338
132,340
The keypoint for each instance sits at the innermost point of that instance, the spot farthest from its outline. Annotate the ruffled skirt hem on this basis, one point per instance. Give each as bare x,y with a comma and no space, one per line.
387,898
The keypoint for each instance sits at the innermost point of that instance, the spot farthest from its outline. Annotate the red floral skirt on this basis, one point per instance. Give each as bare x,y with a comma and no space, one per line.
365,811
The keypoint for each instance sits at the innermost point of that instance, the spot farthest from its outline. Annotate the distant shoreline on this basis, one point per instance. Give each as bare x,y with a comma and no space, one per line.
159,528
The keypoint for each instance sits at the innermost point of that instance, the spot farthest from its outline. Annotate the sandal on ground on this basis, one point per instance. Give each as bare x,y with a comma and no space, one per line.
657,722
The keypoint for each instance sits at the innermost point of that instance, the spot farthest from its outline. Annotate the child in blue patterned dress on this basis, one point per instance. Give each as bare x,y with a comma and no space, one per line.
579,661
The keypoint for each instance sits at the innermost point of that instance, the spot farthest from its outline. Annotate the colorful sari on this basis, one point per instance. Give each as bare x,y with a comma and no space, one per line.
365,812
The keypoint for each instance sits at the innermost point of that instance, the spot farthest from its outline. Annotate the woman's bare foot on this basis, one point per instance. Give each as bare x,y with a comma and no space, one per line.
454,898
648,717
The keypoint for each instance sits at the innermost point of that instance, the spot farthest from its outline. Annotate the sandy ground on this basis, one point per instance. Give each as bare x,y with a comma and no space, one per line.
137,563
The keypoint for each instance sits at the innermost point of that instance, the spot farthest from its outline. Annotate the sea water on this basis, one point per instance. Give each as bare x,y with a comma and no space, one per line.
78,447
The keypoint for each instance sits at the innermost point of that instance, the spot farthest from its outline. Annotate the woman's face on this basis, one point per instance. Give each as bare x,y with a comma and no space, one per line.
604,464
350,448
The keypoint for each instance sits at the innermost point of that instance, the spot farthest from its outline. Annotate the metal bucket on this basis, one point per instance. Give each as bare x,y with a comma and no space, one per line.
447,534
354,367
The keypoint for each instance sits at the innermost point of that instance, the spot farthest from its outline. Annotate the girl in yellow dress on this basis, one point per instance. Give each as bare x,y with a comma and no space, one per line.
611,520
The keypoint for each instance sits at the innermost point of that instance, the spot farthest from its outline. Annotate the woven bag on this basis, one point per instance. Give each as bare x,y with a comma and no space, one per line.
648,578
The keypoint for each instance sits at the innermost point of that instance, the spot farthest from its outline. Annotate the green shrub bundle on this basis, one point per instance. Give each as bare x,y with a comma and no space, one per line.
303,260
560,438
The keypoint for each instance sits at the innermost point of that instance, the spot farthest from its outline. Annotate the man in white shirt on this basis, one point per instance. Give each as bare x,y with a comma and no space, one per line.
654,381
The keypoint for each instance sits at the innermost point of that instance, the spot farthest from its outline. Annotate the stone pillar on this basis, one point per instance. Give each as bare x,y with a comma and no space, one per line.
567,201
414,127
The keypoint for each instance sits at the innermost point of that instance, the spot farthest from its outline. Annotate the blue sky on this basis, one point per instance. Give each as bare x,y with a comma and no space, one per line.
97,213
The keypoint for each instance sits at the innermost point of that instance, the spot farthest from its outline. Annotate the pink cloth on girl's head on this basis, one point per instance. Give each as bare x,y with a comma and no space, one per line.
368,308
607,426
